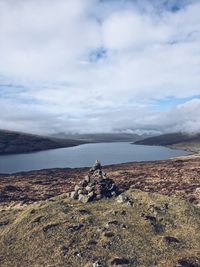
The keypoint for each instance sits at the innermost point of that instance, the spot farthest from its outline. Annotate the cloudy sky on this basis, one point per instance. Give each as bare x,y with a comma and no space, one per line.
100,65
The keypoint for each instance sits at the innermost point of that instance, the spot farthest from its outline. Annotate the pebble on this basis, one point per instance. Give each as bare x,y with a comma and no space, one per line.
75,227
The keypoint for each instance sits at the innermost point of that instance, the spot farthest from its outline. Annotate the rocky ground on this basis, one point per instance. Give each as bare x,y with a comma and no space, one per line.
180,177
135,229
99,225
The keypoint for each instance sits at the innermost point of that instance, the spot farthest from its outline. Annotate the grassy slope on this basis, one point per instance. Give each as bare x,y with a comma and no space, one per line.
39,234
189,146
174,140
15,142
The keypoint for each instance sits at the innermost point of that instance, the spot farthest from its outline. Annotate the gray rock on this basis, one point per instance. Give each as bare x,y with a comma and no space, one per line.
158,209
80,191
78,254
89,188
98,197
87,178
104,175
91,194
125,200
114,194
74,195
75,227
120,261
122,199
76,188
84,198
96,166
83,211
171,240
114,222
64,250
83,183
98,264
188,262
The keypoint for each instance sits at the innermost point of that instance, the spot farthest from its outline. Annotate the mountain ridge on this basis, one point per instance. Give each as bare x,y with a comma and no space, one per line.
13,142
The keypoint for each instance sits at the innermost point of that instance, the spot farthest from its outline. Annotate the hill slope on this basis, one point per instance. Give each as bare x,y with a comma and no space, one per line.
16,142
175,140
177,177
103,137
149,230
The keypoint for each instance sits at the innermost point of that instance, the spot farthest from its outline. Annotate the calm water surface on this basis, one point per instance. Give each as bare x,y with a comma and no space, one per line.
85,155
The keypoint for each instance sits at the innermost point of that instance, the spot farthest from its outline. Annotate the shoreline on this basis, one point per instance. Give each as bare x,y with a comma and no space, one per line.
174,147
175,176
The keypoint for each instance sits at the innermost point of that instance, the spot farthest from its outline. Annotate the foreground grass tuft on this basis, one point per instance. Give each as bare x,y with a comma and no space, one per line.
148,230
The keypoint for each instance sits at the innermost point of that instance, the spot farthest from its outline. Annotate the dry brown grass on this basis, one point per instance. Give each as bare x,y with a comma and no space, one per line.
42,234
180,176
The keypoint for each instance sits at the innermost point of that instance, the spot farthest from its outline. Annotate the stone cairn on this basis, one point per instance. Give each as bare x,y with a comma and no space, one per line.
95,186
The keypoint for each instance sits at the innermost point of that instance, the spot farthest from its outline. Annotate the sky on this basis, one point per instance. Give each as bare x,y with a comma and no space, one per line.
88,66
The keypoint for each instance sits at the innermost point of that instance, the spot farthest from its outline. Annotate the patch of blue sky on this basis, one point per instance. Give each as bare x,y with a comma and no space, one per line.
7,90
171,101
16,93
170,5
161,5
98,55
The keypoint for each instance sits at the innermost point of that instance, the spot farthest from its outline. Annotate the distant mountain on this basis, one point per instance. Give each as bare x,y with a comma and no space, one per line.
102,137
16,142
169,139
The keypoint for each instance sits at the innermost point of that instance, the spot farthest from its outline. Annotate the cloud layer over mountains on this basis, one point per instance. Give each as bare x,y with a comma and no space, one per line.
100,66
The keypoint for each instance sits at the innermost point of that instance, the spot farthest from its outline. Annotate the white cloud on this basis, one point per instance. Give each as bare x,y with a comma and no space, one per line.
147,54
40,39
129,30
184,117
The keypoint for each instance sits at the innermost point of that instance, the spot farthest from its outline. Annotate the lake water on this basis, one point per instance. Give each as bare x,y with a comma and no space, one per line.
85,155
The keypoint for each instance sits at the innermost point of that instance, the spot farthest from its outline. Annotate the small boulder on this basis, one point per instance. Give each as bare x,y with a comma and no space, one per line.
75,227
98,264
114,222
74,195
91,194
87,178
108,234
76,188
89,188
49,226
78,254
171,240
84,198
188,262
96,166
64,250
83,211
120,261
122,199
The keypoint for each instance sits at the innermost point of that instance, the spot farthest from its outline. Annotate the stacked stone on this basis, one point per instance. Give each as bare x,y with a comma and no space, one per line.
96,185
